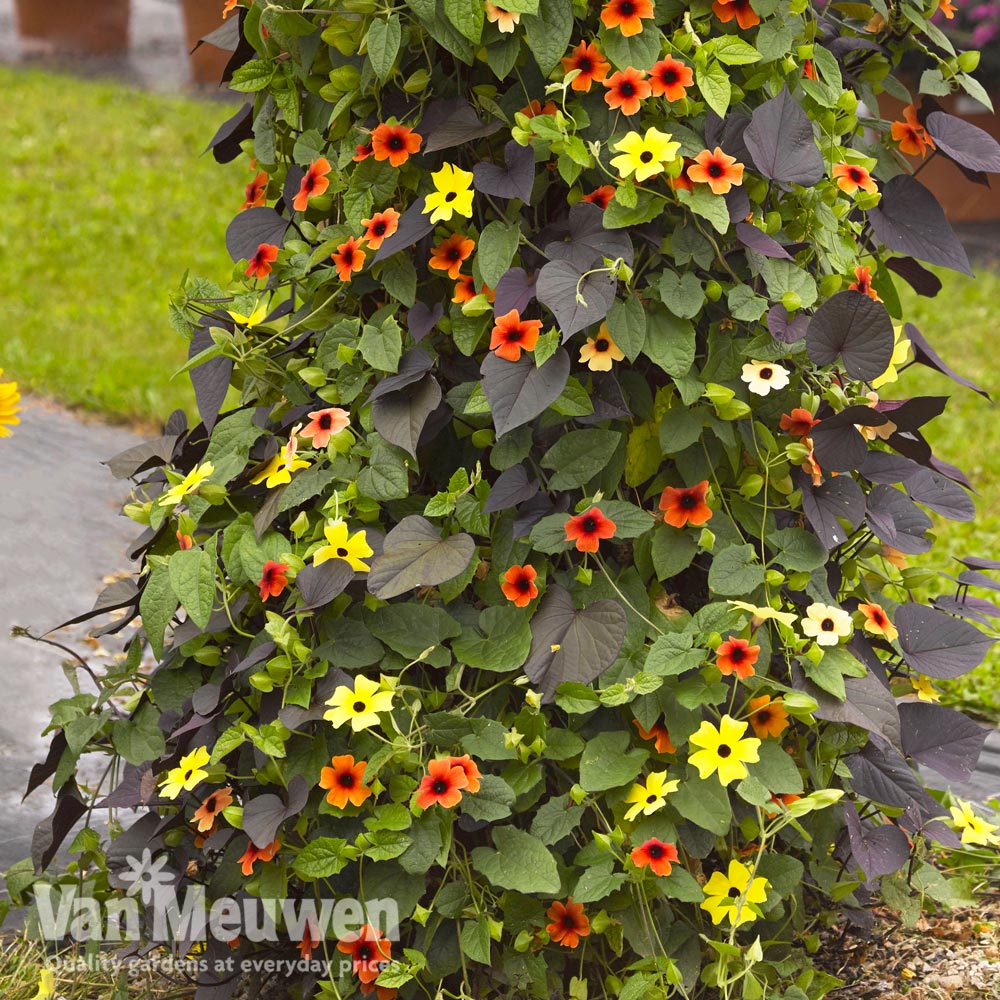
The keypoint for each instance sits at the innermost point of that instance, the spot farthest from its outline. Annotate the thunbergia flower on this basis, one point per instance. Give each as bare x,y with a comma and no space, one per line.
187,775
627,15
826,625
725,750
255,194
208,812
471,768
627,89
278,471
313,184
348,259
253,854
511,335
670,78
519,585
683,505
362,151
799,423
659,733
324,424
646,799
601,352
761,377
451,253
742,10
863,283
730,895
535,108
877,621
912,137
736,656
452,193
974,828
656,855
360,706
345,781
717,169
184,542
380,227
588,529
768,716
228,7
272,579
567,923
505,20
442,784
601,197
369,952
341,544
187,486
924,689
645,156
395,143
9,409
590,61
851,177
259,265
310,941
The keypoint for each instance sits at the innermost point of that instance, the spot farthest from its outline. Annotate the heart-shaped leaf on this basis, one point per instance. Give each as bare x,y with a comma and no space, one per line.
576,301
587,242
755,239
896,520
878,850
251,228
856,329
824,505
452,122
942,738
400,416
421,319
511,488
415,555
781,141
514,290
518,391
965,143
512,180
938,645
319,585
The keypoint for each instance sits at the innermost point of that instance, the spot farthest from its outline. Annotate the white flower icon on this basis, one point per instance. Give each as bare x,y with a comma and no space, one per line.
147,876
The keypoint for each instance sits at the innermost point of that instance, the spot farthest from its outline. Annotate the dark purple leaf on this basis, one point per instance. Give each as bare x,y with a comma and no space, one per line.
319,585
452,122
781,141
978,562
420,319
560,284
514,290
225,144
400,416
572,645
897,521
926,355
881,774
884,467
608,399
976,608
44,770
839,446
226,36
783,327
728,133
511,488
413,225
869,704
942,738
973,578
855,328
964,142
140,457
293,181
136,788
940,494
513,180
840,497
922,281
52,831
412,367
251,228
878,850
910,220
415,555
738,203
909,414
210,380
532,511
264,814
952,472
587,242
257,655
754,238
938,645
518,391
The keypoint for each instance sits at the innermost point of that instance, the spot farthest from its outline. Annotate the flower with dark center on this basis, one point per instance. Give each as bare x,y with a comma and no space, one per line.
626,15
683,505
260,263
742,10
588,529
313,184
718,170
768,716
442,784
395,143
380,227
670,78
511,335
656,855
519,585
345,781
590,61
272,579
851,176
567,923
736,656
368,950
451,253
627,89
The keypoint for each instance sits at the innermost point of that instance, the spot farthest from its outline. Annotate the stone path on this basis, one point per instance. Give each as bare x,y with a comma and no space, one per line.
59,535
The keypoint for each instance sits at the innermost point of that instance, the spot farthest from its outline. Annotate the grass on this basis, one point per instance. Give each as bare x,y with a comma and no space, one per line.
106,202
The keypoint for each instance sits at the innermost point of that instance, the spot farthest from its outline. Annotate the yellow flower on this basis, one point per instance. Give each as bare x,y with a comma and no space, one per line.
453,193
600,351
651,796
359,705
724,750
9,398
255,317
351,548
279,471
646,155
46,985
923,688
730,896
900,352
188,485
187,775
975,829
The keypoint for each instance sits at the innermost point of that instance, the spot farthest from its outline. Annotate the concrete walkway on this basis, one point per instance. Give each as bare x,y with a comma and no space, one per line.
60,536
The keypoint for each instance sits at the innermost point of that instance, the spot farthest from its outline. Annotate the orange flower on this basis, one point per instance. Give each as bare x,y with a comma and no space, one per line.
512,334
767,717
590,61
227,8
272,580
716,169
254,854
785,800
588,529
601,197
184,541
568,923
310,941
656,854
850,177
395,143
348,258
877,621
450,254
742,10
799,423
519,585
345,782
863,283
368,950
659,732
205,815
626,15
670,78
256,192
533,108
685,505
324,424
505,20
362,151
465,290
442,785
911,135
947,8
683,182
627,89
737,656
260,263
380,227
809,70
313,184
471,769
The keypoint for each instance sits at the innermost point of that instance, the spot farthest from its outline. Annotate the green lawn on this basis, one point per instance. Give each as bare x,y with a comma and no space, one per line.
105,202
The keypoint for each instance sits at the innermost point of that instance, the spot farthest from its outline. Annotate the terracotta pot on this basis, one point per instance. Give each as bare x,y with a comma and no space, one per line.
202,17
74,26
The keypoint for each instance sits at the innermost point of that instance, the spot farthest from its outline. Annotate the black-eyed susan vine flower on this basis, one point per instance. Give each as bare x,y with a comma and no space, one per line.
600,352
344,781
359,705
717,169
627,15
187,775
923,688
724,750
974,829
768,716
278,471
46,985
313,184
646,799
341,544
452,194
395,143
590,65
734,895
763,377
185,486
876,621
505,20
644,156
826,625
9,408
851,177
655,854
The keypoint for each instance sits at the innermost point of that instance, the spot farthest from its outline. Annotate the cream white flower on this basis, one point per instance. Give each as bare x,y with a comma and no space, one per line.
763,376
826,625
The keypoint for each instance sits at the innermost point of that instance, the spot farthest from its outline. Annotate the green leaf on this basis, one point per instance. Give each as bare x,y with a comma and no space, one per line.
192,577
682,294
399,278
713,82
627,326
673,550
681,885
798,550
468,17
140,738
157,606
517,861
607,762
680,428
733,51
598,882
579,456
410,628
474,939
548,33
776,770
555,819
704,803
704,203
492,802
382,346
735,572
321,858
383,44
252,76
497,246
670,341
501,643
672,654
639,51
